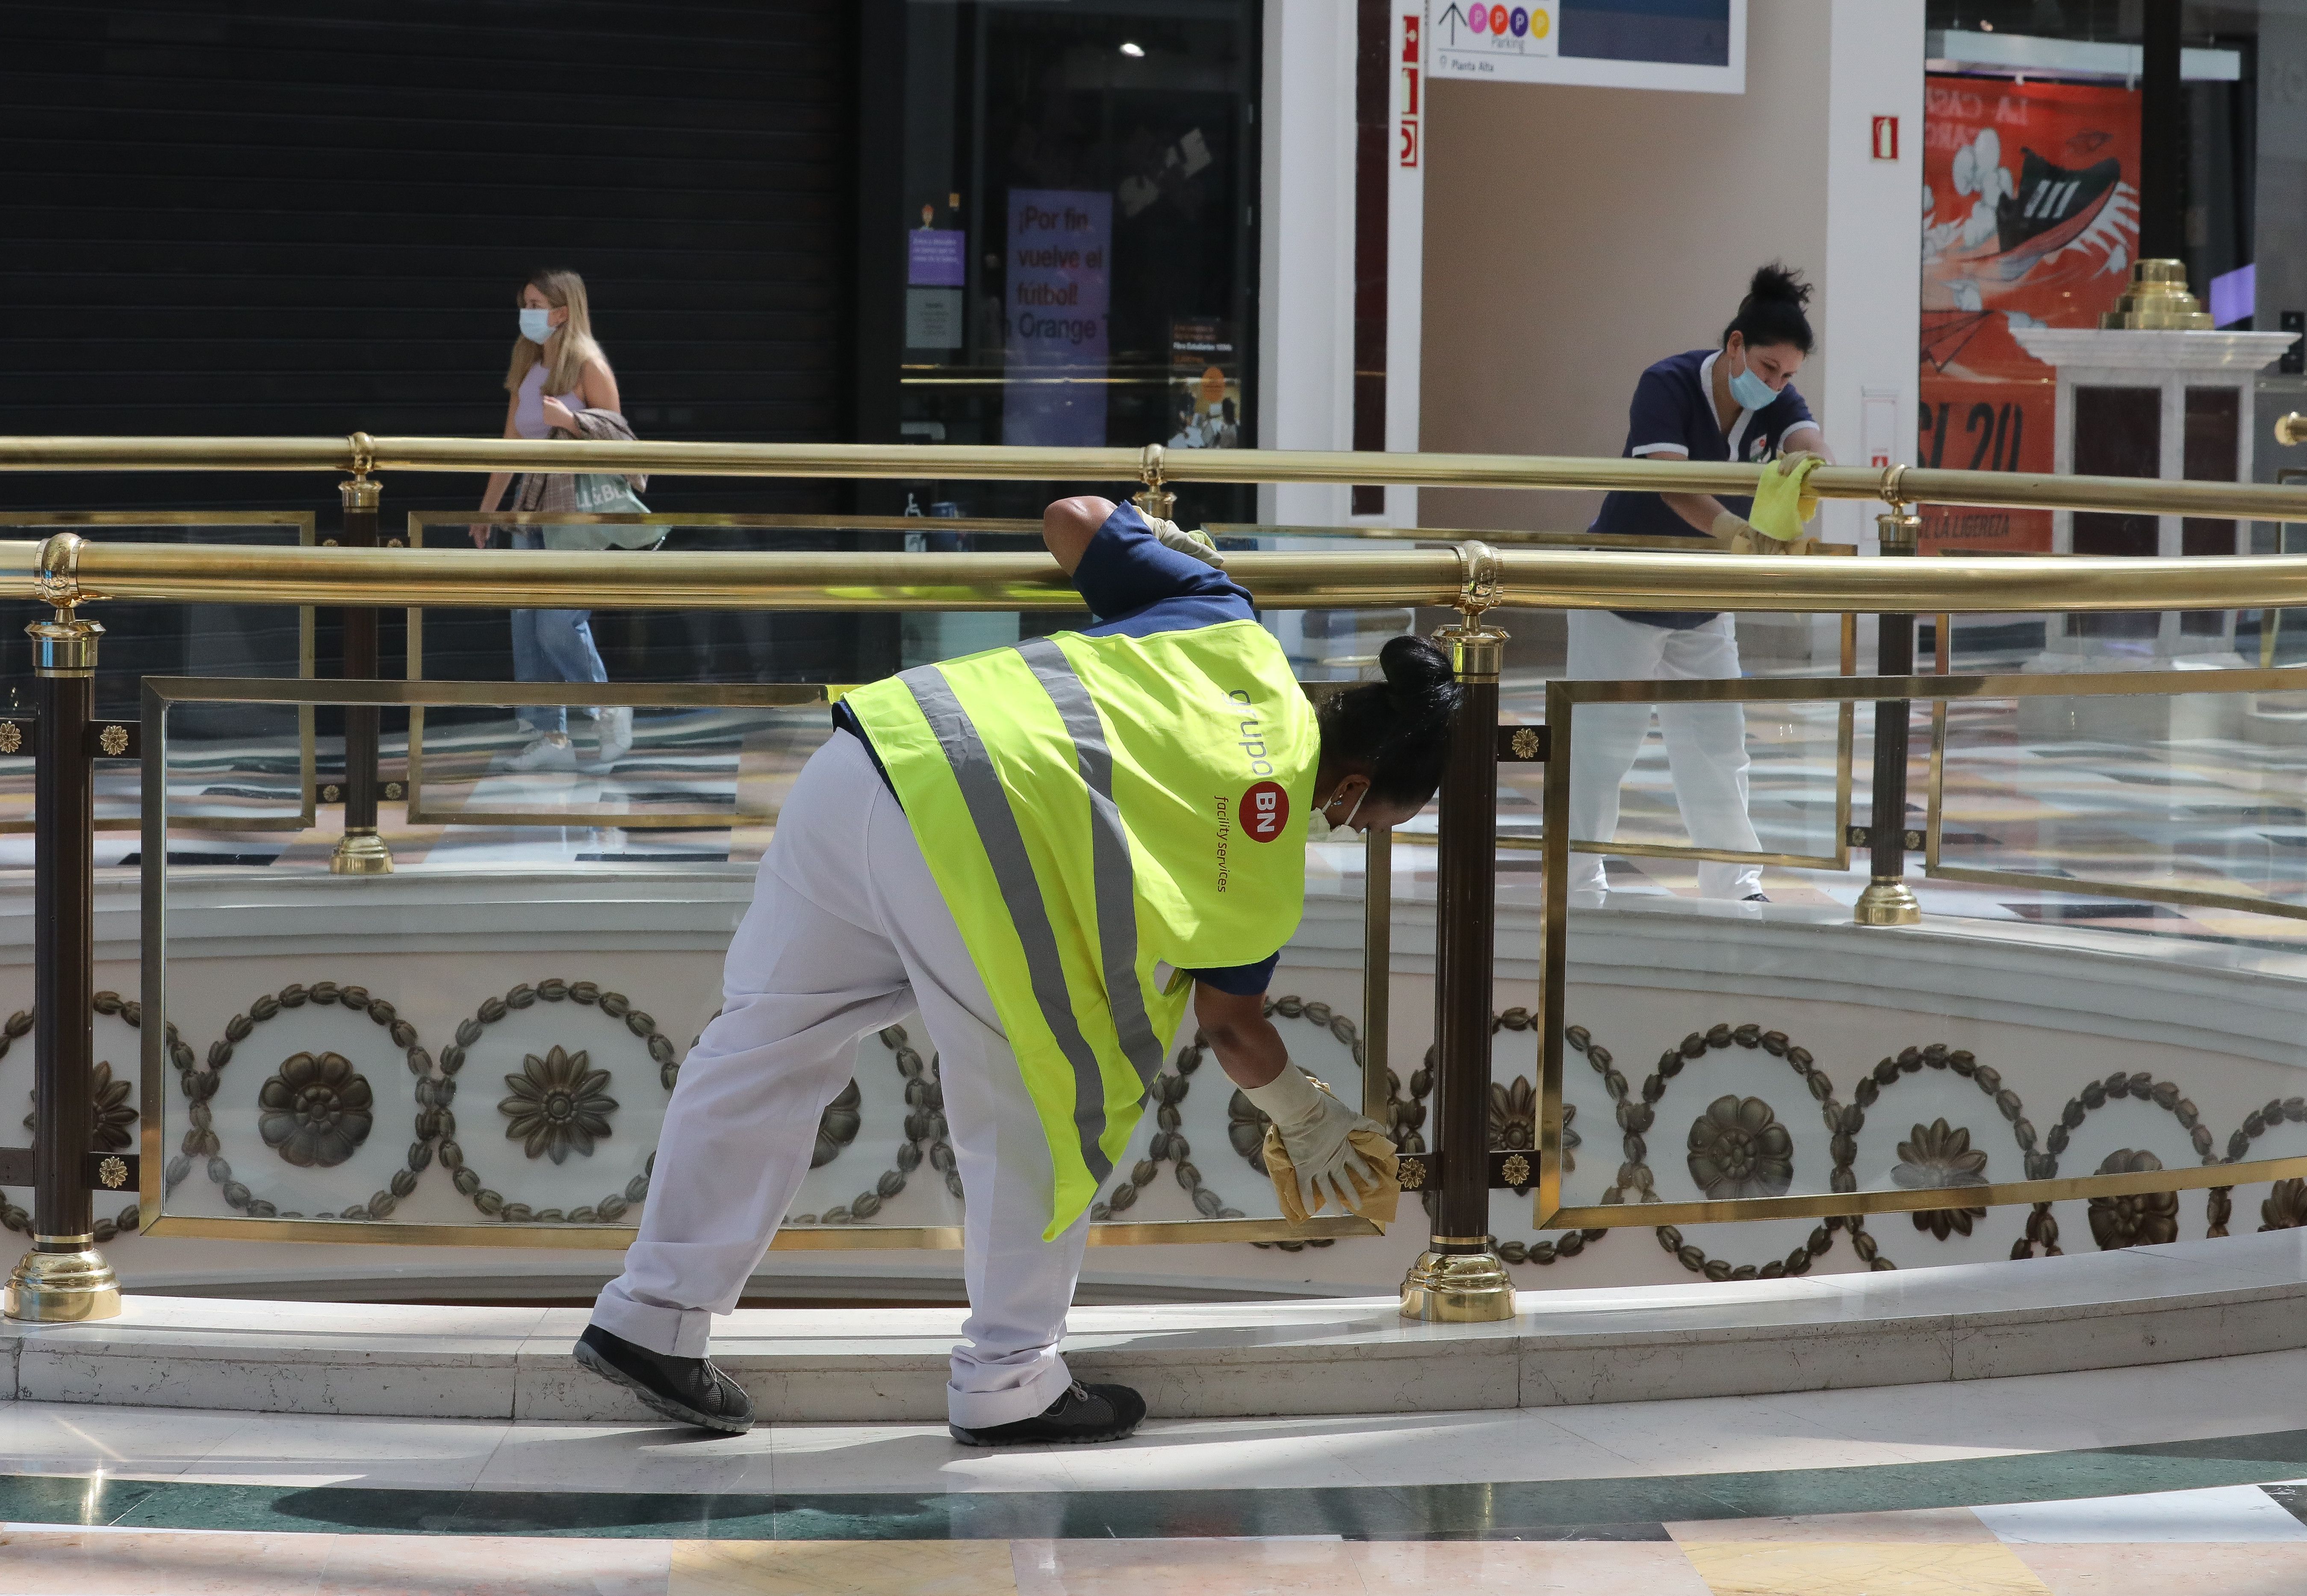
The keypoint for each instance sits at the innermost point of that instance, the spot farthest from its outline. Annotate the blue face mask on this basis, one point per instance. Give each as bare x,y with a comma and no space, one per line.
1751,391
536,325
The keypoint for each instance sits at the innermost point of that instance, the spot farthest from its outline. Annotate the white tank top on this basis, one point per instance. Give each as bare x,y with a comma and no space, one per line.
529,414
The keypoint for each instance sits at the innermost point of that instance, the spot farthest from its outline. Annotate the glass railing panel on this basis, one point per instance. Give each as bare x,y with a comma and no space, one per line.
239,789
700,782
1664,781
1767,1086
2151,809
144,639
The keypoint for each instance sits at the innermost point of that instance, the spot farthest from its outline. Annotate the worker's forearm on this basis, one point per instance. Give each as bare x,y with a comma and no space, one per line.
1808,440
1699,509
1251,1054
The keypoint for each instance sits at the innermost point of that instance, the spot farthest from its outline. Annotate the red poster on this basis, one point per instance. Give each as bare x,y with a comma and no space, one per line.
2030,217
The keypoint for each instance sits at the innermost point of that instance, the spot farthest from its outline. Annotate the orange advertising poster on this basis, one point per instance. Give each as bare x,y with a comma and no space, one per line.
2030,218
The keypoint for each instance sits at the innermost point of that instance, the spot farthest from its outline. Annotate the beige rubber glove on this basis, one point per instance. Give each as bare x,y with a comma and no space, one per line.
1195,543
1316,1130
1730,527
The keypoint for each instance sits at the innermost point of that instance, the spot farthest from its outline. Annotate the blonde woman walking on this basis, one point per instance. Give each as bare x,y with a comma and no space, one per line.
559,383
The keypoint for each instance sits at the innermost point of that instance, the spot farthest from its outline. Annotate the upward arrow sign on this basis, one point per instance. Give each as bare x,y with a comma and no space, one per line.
1453,16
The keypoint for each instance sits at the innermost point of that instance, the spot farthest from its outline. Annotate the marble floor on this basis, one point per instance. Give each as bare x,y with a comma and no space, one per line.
2181,1479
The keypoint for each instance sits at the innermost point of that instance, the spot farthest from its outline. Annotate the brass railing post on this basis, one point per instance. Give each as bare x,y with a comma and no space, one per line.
1888,901
64,1277
1154,499
1459,1277
360,850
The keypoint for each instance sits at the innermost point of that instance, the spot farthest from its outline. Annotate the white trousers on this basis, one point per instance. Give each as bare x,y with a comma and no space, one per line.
1705,743
847,932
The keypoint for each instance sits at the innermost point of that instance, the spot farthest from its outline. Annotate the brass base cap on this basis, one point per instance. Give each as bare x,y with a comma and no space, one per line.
62,1288
361,853
1457,1288
1887,903
2157,300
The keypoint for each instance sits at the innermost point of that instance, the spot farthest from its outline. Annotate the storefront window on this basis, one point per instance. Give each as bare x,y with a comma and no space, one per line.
1078,228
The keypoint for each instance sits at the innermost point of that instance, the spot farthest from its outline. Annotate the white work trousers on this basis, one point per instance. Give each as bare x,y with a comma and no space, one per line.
847,932
1705,743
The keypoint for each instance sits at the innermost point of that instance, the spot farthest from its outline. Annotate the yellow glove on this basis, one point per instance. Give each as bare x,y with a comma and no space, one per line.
1782,500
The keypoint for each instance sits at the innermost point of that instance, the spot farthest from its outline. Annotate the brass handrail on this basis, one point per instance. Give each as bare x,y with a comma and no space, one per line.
1896,484
851,581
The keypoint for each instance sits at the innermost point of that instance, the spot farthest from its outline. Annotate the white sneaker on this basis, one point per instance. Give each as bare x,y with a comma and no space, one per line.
616,734
547,752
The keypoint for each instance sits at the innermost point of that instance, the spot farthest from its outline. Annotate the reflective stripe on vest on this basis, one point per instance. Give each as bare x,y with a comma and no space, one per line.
1116,878
1005,847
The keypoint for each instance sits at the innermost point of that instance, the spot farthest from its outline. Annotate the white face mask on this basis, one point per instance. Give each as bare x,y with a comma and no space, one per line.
535,325
1343,830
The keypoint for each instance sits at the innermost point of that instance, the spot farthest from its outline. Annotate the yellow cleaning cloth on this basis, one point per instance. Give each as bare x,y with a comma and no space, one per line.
1783,500
1374,1203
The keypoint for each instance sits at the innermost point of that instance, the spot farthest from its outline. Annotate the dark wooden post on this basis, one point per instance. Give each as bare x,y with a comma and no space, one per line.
64,1277
1459,1278
360,851
1888,901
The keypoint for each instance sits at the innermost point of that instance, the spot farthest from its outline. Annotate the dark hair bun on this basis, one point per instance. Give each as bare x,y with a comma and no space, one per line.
1780,282
1395,731
1772,311
1413,665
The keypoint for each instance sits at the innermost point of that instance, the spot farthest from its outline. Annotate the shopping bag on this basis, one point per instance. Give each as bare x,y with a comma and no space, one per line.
604,493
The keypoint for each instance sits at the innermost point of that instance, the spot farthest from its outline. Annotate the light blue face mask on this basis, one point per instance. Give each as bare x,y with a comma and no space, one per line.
1751,391
536,325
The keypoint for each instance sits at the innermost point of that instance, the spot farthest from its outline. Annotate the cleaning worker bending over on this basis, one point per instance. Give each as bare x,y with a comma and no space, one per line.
1041,847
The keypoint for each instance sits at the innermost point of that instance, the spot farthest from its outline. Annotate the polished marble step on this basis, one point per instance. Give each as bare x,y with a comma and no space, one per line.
1347,1355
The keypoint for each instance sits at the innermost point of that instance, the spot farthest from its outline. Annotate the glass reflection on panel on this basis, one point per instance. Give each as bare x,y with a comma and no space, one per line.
2193,792
1673,781
234,775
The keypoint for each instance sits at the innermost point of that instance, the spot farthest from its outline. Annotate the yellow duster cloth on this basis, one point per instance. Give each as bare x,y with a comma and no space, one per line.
1374,1203
1783,500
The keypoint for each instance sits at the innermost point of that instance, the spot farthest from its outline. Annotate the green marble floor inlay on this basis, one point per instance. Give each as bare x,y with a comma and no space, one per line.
1623,1510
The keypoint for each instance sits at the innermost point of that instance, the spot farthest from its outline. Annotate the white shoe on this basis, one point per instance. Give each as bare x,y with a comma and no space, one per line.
616,734
547,752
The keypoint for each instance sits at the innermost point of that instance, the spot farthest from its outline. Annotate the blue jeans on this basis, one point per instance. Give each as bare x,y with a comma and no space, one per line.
552,645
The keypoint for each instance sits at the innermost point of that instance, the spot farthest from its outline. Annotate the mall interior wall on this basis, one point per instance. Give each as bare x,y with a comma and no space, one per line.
1575,235
1305,269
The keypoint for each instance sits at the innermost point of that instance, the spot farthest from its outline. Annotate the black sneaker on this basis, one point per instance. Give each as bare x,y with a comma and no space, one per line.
688,1389
1084,1414
1755,898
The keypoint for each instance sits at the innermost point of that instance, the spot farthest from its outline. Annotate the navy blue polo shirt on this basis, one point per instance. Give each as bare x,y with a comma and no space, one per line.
1673,411
1136,586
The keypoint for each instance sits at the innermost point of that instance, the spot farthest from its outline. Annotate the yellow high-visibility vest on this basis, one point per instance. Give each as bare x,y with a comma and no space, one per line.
1093,809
